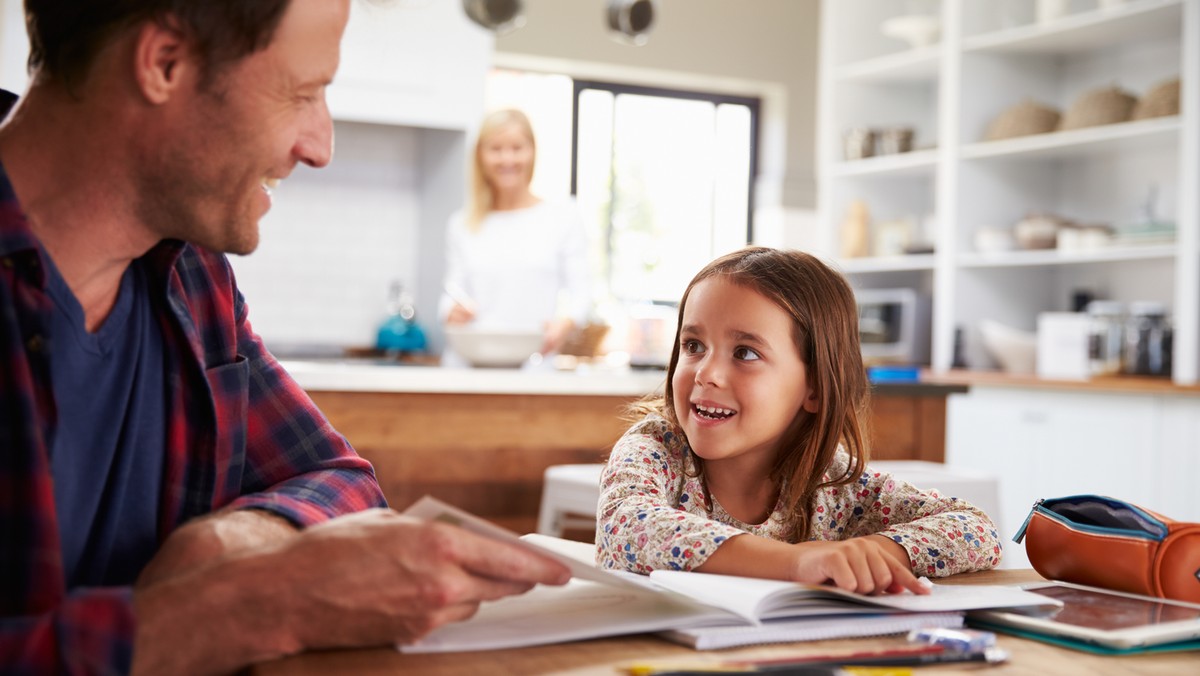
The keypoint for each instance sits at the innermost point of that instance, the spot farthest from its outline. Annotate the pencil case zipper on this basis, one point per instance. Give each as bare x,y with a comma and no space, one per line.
1040,507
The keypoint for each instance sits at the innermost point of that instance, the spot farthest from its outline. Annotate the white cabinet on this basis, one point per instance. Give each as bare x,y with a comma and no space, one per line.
992,55
416,63
1044,443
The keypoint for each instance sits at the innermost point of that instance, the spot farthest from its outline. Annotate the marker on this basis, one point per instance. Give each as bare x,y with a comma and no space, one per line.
802,666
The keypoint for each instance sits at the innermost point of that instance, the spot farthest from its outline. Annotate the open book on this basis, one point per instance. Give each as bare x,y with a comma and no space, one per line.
598,602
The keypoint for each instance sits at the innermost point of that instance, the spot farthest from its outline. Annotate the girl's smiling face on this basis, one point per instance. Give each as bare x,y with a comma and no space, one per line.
739,382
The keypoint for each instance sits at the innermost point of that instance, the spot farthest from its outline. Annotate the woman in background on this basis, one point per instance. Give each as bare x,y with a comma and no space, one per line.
513,260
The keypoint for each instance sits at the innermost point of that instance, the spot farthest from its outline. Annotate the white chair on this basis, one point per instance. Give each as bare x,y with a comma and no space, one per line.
566,490
978,488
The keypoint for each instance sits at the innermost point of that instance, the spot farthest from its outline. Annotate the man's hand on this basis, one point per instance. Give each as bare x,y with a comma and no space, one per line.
205,539
371,578
379,577
873,564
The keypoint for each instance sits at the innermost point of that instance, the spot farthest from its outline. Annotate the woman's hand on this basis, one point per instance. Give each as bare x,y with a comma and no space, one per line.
556,333
460,314
873,564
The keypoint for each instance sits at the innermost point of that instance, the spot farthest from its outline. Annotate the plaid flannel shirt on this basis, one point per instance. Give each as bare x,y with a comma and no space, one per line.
240,434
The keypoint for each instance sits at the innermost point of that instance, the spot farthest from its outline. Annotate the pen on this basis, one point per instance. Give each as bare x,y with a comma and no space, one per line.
827,663
989,655
841,658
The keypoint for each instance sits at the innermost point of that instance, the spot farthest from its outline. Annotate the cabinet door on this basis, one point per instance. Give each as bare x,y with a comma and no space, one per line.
1176,473
1043,444
419,64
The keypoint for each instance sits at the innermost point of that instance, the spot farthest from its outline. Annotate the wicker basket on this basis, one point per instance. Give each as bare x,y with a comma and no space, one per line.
585,341
1025,118
1107,105
1161,101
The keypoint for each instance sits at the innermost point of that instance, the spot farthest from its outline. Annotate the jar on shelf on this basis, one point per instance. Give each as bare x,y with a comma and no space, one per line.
1148,340
1105,337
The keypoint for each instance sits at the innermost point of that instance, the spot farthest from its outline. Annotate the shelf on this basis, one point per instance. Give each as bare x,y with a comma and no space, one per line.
1049,257
1085,31
915,163
915,65
1137,136
1097,174
913,262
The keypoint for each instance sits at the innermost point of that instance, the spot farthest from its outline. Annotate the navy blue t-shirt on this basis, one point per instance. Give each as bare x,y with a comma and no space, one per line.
106,453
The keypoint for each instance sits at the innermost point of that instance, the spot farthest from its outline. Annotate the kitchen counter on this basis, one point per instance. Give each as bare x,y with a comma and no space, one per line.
1111,384
353,375
367,376
481,439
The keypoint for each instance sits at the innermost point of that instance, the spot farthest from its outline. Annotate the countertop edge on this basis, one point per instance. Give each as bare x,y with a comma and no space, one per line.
316,376
1100,384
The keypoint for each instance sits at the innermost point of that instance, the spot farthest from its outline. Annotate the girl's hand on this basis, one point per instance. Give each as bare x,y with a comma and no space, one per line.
873,564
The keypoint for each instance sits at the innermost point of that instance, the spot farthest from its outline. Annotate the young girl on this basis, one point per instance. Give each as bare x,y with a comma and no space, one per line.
754,463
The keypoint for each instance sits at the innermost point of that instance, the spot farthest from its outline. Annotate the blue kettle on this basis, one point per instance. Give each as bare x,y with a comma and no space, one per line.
400,332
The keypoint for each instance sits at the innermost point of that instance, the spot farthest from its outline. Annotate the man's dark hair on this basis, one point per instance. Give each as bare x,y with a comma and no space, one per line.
66,35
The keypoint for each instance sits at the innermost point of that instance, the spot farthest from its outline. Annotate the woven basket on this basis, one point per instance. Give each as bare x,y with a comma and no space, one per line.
585,341
1023,119
1161,101
1107,105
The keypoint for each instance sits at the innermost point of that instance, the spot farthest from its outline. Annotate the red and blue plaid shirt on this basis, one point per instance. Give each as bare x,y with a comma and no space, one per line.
240,434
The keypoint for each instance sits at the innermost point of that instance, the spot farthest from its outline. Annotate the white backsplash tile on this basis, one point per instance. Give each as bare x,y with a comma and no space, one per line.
334,240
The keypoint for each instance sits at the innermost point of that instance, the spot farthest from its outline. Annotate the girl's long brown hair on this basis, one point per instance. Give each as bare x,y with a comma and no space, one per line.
825,329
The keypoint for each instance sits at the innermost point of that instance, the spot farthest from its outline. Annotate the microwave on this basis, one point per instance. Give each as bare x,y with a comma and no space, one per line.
893,326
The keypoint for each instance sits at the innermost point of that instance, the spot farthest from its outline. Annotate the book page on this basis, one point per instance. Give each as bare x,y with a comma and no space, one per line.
753,598
432,509
580,610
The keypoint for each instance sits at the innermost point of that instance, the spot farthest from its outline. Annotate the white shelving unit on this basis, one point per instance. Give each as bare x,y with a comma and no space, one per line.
992,54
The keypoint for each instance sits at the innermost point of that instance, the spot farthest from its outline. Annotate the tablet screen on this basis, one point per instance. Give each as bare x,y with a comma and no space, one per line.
1097,610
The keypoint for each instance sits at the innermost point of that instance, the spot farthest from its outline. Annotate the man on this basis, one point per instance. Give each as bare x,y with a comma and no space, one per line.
170,500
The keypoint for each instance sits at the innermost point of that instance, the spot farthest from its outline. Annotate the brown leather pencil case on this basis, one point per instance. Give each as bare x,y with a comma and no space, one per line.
1104,542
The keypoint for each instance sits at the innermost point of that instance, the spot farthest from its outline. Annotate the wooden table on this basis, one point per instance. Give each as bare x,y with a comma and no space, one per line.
607,657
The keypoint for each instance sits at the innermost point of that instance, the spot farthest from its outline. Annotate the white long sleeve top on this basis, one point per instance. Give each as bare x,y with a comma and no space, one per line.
521,267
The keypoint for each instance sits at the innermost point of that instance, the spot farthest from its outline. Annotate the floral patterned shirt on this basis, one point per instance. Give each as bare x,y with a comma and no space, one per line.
654,513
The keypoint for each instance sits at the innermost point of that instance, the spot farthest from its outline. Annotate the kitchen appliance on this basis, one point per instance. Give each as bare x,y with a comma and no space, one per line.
893,326
1063,340
399,333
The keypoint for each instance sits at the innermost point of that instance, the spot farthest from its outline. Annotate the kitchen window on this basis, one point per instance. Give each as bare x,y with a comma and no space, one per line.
663,177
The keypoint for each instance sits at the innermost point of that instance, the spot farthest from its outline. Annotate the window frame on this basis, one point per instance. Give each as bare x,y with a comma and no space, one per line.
616,89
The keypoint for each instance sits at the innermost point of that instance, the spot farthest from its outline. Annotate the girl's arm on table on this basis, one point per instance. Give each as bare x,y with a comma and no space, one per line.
867,565
641,522
941,535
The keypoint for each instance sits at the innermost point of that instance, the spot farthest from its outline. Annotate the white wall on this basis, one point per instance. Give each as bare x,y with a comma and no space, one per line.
335,238
14,46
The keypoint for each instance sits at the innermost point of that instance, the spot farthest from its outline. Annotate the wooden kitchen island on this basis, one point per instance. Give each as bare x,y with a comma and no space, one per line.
481,439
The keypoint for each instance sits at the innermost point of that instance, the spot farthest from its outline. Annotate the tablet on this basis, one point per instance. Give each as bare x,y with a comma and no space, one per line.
1103,617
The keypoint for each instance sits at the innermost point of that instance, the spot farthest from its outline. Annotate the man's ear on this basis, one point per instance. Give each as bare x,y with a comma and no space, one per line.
810,401
162,60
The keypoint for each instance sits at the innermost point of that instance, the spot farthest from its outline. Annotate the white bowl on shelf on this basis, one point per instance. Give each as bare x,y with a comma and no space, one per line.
1015,350
493,347
915,29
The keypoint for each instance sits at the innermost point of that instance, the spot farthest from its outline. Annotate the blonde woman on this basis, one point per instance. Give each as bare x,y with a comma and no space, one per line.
513,260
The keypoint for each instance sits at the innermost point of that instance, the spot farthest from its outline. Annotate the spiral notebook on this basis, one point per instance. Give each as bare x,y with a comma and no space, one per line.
787,630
